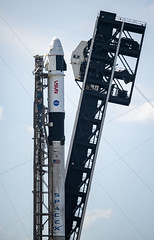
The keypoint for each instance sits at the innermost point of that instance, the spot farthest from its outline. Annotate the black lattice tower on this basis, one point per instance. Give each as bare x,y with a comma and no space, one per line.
107,74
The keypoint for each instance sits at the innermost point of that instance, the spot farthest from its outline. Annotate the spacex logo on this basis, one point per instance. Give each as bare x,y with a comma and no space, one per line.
56,87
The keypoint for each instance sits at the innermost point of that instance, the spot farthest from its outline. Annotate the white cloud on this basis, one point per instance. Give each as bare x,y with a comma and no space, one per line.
1,113
144,113
23,38
95,215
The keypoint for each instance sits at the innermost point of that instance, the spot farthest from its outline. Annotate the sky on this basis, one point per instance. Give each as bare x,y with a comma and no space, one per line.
121,201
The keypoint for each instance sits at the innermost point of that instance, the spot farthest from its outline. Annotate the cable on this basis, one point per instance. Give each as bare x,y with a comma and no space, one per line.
126,154
120,157
19,39
11,224
16,77
123,213
125,112
143,95
13,207
19,165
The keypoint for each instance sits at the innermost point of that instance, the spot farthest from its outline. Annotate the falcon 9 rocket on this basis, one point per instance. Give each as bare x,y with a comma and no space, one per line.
55,65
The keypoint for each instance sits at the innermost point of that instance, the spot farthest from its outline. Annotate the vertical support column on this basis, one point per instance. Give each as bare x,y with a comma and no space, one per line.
37,150
40,191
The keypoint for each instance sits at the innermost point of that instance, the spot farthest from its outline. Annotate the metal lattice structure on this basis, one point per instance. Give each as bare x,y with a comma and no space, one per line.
107,74
40,192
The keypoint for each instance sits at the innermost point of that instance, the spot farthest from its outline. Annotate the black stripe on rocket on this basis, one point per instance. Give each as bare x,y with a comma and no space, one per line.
56,127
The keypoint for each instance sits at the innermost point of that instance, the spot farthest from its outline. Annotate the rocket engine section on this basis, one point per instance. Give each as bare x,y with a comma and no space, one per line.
55,65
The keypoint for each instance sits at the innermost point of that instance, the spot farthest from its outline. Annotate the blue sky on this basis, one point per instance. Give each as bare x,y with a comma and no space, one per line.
122,195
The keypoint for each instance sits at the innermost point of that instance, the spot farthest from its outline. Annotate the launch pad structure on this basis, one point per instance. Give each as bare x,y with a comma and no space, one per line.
106,73
40,192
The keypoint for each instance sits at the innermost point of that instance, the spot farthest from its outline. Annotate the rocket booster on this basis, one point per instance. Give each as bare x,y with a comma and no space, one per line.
55,65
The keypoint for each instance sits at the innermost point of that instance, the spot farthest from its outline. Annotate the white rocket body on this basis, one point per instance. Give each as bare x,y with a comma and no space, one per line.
55,65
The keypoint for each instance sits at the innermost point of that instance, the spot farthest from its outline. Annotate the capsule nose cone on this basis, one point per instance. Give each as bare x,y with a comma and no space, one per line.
55,47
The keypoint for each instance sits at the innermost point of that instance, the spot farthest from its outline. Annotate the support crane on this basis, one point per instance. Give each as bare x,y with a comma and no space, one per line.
105,69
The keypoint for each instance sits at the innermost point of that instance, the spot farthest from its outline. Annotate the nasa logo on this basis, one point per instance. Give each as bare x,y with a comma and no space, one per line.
56,103
56,87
